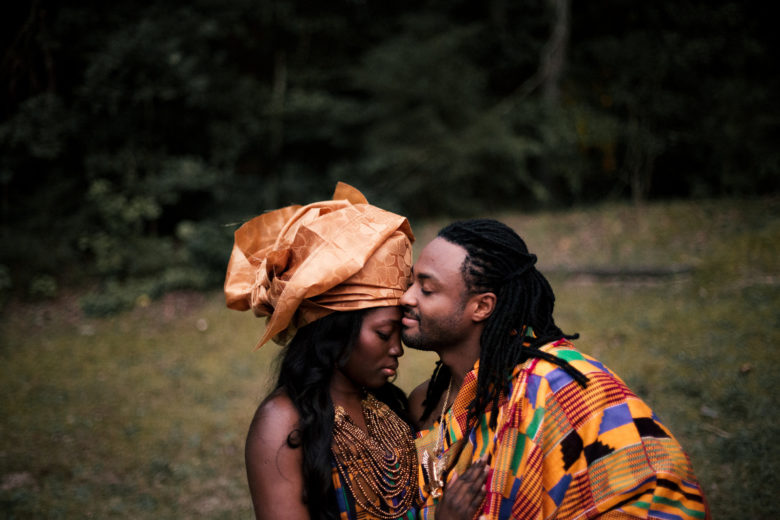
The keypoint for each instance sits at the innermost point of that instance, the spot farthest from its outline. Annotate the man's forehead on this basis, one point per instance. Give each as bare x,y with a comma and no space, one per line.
438,259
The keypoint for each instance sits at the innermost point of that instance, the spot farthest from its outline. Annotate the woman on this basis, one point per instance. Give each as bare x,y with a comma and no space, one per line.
330,441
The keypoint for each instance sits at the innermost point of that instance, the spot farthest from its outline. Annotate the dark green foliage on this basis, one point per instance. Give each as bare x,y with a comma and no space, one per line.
685,83
135,138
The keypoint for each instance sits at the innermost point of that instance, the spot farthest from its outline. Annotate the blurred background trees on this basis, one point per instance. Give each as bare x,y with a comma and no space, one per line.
135,138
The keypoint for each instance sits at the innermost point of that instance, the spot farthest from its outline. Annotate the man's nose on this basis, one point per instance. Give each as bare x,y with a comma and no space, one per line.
407,300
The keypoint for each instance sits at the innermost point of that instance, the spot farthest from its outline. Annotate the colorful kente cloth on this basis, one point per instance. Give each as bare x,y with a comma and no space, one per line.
566,452
349,509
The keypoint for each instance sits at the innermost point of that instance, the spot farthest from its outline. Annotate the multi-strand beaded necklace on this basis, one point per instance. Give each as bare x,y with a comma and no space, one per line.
378,467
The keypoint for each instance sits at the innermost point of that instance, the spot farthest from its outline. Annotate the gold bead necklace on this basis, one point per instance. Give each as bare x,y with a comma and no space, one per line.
378,466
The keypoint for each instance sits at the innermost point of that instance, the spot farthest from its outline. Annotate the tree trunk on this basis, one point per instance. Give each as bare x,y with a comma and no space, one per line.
641,151
553,55
277,102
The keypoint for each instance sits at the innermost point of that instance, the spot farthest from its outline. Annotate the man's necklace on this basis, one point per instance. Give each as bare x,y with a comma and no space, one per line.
435,463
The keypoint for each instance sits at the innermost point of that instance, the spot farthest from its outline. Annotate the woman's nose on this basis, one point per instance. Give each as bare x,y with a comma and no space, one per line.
396,349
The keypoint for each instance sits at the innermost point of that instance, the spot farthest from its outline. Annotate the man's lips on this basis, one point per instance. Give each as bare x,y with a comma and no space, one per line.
409,320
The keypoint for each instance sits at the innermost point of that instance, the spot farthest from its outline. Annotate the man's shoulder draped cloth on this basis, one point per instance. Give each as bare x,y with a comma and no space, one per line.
300,263
566,452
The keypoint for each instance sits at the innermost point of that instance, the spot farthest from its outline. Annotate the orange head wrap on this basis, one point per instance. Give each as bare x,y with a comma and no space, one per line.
300,263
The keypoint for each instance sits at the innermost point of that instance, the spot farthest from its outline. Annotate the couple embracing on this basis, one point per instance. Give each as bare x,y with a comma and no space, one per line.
514,422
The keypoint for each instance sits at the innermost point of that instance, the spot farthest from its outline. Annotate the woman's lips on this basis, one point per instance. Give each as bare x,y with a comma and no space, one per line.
390,370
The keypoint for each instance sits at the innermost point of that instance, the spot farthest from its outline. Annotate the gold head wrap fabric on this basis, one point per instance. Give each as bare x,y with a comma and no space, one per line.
300,263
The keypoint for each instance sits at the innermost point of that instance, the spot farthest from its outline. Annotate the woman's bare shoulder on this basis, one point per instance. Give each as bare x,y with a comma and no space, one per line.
274,420
274,460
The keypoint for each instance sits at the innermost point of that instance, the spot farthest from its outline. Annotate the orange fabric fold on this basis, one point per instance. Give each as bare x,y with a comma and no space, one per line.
300,263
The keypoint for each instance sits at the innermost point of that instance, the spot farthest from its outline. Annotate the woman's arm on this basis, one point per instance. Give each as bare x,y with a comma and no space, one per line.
274,469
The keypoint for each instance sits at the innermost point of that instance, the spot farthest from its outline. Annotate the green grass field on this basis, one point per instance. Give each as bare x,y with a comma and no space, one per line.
144,415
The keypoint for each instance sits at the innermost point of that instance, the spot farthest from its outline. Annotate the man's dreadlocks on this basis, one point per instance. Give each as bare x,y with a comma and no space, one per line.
498,261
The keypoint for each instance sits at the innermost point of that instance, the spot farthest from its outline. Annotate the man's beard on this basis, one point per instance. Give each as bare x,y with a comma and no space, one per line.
429,339
416,342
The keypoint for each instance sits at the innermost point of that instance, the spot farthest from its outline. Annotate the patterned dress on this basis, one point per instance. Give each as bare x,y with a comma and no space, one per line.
566,452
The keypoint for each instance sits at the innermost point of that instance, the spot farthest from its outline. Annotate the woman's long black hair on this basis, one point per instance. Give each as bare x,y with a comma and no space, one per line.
305,373
498,261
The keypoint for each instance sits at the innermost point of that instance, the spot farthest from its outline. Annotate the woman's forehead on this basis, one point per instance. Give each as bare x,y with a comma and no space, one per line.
379,315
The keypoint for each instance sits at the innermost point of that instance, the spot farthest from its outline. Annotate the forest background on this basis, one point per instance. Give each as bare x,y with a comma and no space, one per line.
135,138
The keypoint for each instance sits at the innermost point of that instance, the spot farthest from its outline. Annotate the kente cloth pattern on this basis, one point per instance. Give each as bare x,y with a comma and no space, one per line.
566,452
349,509
300,263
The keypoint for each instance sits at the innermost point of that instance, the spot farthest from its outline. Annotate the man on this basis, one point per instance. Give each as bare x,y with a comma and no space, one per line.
563,436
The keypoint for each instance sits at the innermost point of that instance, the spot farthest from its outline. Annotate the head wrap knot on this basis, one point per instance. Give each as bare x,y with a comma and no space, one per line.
300,263
259,298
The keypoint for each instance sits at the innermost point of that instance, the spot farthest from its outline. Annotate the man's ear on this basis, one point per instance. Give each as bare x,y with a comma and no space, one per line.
484,305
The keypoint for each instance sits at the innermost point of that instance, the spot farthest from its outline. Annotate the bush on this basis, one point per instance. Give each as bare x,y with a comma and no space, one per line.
43,287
